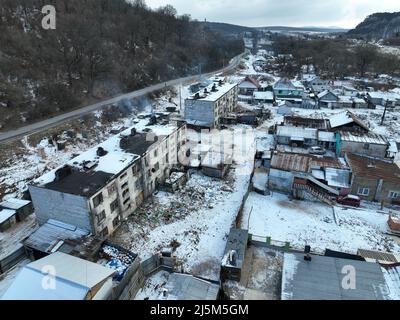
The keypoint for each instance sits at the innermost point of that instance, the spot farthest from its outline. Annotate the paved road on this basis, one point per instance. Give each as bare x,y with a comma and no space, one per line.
52,122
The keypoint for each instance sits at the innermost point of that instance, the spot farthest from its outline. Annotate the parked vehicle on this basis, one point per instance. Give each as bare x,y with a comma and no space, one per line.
317,150
349,200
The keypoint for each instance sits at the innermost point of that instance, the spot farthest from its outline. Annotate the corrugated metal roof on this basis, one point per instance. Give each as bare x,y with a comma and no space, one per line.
321,279
381,257
337,178
290,162
51,233
371,138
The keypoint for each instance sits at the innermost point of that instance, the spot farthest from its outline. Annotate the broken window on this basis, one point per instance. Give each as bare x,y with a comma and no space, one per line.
125,193
135,169
123,176
124,186
116,222
101,217
114,205
112,189
98,200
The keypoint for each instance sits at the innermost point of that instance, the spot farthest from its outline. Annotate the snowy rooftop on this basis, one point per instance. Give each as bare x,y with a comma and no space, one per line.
14,204
94,170
326,136
75,278
6,214
263,95
321,279
384,95
371,138
213,96
344,118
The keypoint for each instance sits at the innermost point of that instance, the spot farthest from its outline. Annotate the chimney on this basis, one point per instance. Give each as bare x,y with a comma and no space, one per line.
307,251
133,132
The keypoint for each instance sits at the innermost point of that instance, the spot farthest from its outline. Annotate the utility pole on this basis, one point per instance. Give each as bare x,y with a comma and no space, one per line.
384,112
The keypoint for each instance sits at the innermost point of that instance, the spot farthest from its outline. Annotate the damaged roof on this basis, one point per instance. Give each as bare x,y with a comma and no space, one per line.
290,162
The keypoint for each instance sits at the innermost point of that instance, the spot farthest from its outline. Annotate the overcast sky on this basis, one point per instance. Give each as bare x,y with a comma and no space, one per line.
296,13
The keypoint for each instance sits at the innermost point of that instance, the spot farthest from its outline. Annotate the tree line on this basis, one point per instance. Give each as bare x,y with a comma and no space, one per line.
336,58
99,48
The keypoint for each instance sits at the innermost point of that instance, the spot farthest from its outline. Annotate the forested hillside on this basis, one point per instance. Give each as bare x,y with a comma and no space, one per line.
378,26
99,48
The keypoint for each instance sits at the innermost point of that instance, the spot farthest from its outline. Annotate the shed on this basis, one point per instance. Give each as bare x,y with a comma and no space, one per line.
187,287
235,251
7,219
23,208
51,237
216,164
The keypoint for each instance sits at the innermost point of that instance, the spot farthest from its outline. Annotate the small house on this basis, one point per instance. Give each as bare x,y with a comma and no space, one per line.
318,85
328,99
235,250
369,144
373,179
260,97
359,103
248,86
286,89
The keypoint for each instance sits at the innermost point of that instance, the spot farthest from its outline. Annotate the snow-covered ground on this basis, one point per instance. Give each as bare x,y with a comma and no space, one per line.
320,226
195,220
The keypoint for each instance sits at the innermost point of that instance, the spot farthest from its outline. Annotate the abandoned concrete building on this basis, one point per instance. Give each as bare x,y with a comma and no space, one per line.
205,108
106,184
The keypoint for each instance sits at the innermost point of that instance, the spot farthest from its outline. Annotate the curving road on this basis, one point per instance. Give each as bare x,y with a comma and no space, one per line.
49,123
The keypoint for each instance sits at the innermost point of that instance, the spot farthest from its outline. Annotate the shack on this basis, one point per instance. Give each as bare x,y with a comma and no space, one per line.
235,251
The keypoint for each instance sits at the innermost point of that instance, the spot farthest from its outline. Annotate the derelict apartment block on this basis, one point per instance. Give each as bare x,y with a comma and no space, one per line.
206,107
107,183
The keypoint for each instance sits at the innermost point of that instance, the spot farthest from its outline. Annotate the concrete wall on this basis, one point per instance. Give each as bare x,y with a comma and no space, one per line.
50,204
280,180
374,150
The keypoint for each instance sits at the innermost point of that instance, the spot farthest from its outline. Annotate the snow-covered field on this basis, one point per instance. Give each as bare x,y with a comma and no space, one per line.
320,226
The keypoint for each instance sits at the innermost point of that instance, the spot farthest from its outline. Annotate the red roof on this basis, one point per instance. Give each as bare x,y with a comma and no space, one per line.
253,81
